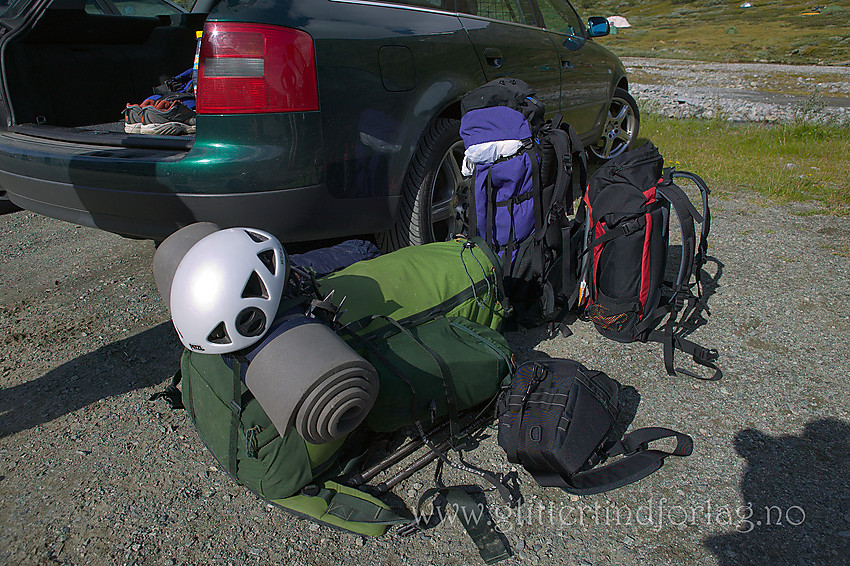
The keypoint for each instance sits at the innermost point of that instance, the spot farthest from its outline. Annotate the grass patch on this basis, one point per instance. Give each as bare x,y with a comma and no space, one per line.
787,162
711,30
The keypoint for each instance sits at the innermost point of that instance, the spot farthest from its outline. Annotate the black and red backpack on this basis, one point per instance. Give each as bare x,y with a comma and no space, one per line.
624,289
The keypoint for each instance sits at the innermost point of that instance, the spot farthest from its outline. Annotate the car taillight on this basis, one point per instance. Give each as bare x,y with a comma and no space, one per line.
253,68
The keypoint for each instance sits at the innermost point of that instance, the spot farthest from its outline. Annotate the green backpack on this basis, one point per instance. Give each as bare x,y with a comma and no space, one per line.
415,284
434,343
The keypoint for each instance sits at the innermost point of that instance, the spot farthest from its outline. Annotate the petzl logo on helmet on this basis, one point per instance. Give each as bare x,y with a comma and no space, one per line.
196,347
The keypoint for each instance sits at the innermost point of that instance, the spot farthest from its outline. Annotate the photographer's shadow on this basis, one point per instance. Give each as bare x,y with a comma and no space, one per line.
796,492
143,360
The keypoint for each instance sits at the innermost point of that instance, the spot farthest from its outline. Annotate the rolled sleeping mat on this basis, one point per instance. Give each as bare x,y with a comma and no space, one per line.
307,377
171,251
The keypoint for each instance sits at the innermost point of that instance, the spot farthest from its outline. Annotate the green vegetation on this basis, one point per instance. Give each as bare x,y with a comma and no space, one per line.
800,162
720,30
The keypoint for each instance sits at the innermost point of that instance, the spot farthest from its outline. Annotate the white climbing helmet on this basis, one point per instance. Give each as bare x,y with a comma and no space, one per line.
226,290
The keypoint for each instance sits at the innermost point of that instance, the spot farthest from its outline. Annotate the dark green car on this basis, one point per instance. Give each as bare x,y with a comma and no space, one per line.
316,118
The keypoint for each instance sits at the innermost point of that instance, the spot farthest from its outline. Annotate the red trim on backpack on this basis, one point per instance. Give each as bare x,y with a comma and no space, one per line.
597,253
645,274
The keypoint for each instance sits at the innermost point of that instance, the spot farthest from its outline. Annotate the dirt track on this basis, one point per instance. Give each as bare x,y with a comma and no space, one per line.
760,92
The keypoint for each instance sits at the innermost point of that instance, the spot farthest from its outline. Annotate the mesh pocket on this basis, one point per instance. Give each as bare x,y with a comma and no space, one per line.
615,318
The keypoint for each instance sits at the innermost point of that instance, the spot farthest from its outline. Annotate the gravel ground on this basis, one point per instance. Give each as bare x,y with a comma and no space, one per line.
741,92
91,472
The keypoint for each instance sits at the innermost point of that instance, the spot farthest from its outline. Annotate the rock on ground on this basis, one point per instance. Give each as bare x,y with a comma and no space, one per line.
741,92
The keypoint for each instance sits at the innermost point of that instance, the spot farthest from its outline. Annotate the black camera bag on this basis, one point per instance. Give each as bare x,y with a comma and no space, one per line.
556,421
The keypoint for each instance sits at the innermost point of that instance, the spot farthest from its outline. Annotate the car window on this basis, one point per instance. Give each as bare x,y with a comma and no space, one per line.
505,10
93,7
561,17
435,4
10,9
144,7
518,11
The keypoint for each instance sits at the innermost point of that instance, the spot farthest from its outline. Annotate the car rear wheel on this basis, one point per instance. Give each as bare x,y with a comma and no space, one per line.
621,127
7,205
434,195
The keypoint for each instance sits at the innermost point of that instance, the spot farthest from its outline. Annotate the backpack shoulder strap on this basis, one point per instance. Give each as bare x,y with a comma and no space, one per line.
693,258
702,247
492,545
687,214
637,463
572,165
580,180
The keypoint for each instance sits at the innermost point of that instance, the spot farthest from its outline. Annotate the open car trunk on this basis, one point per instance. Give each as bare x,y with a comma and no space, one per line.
69,76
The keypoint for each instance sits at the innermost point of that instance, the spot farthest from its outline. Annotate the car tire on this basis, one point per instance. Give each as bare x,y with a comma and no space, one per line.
434,193
620,132
7,206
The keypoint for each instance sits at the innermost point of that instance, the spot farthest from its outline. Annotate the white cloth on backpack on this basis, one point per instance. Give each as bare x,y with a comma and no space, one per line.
488,152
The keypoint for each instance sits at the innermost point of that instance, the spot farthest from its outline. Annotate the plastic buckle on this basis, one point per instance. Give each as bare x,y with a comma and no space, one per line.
630,447
706,356
632,226
310,490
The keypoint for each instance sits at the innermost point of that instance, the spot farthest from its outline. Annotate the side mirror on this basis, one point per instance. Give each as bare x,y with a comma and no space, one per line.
598,26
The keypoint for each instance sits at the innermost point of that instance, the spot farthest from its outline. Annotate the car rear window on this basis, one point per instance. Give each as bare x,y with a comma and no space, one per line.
518,11
447,5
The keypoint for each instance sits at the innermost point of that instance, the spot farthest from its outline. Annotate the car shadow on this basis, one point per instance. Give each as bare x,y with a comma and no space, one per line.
796,492
143,360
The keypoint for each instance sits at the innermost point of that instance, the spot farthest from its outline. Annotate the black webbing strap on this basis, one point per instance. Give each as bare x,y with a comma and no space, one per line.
539,374
517,199
445,374
637,463
580,180
671,341
472,207
656,315
564,169
481,529
171,393
629,227
236,415
537,188
489,232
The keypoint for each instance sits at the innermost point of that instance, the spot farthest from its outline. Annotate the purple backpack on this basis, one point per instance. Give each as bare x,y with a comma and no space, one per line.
506,182
526,175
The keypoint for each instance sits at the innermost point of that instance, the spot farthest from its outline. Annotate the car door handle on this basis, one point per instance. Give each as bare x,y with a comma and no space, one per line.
567,65
493,56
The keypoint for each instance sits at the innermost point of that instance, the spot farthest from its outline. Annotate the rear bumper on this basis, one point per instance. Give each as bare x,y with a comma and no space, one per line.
265,171
297,214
